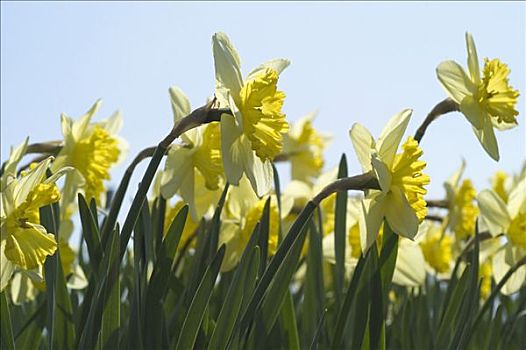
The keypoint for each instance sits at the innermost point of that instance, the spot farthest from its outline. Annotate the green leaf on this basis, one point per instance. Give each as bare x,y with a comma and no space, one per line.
215,224
290,326
8,341
90,233
195,313
264,236
111,314
340,233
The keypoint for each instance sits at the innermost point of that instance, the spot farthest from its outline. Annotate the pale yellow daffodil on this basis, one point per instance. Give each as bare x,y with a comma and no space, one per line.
487,101
509,219
193,169
92,149
304,147
243,210
253,136
437,249
401,198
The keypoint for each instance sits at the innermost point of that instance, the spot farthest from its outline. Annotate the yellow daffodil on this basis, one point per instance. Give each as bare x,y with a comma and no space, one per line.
509,219
500,185
27,243
190,225
304,148
197,158
243,210
487,101
92,149
253,136
401,198
437,251
485,274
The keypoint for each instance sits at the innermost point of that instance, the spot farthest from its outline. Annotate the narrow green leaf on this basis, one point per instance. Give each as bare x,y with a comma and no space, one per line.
90,233
8,341
290,326
197,309
264,236
340,234
316,337
111,314
215,225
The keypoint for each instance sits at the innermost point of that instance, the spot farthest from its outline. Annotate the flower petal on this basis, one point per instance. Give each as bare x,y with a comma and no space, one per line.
473,60
410,265
79,127
473,112
454,80
227,68
382,173
232,149
363,144
487,139
391,136
373,210
517,199
180,103
400,215
259,173
494,212
178,168
501,267
7,267
29,247
277,64
27,183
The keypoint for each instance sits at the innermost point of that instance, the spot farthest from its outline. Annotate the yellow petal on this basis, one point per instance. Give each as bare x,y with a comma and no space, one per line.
29,247
454,80
180,103
517,199
501,266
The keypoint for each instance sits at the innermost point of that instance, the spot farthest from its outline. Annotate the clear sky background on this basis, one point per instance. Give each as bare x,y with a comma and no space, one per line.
353,62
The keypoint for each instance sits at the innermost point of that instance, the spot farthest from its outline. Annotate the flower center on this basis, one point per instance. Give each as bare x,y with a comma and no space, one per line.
93,156
517,230
263,122
207,157
495,92
407,174
437,251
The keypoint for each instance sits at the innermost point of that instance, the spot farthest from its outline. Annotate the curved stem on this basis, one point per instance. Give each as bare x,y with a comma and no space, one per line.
357,182
443,107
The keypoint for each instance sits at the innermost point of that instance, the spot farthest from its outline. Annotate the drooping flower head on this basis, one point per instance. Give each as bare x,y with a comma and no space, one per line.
487,101
402,181
193,168
25,242
92,149
304,147
253,136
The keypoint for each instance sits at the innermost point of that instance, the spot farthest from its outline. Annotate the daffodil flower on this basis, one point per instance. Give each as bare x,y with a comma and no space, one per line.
487,101
437,249
196,160
26,243
92,149
510,219
401,198
243,210
253,136
304,148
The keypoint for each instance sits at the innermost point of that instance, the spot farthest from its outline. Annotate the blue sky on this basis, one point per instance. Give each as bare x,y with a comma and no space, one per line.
353,62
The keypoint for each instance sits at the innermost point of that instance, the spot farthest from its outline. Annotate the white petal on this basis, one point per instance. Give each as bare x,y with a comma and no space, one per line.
259,173
7,267
391,136
363,144
179,166
80,126
494,212
28,182
501,267
227,68
114,123
454,80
